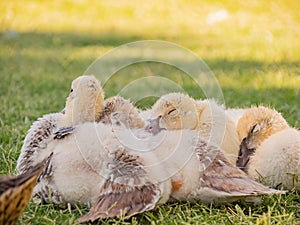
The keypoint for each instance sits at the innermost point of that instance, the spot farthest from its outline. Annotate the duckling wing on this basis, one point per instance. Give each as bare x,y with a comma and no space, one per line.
224,180
126,191
36,140
223,176
63,132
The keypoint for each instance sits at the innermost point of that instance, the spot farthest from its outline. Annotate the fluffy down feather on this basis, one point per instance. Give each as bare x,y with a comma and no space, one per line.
270,149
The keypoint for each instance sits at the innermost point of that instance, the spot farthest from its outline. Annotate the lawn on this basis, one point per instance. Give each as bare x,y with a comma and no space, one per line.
253,50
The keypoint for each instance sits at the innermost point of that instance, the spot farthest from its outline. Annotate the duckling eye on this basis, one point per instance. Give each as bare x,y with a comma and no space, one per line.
172,112
253,129
71,90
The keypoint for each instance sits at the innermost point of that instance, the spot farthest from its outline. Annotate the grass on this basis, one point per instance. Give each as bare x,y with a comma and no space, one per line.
254,55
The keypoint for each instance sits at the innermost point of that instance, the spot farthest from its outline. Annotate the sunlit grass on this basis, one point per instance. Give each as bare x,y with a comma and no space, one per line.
254,53
251,25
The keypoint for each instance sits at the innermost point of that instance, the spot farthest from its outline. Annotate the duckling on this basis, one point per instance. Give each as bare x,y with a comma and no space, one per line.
270,148
15,193
116,111
90,162
40,133
120,111
179,111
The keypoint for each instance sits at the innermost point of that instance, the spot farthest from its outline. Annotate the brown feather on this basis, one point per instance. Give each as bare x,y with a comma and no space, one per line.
126,190
16,192
36,139
122,200
244,155
222,176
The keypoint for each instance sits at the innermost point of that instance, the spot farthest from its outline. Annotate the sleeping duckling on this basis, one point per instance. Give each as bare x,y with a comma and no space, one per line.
270,149
120,111
179,111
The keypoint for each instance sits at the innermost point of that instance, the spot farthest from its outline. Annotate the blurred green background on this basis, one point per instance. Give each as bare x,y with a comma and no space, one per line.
252,47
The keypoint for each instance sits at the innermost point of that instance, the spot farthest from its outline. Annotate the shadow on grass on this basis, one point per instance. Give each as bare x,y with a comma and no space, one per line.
58,40
40,40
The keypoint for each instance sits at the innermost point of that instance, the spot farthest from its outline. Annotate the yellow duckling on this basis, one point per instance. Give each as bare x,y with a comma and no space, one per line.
270,149
179,111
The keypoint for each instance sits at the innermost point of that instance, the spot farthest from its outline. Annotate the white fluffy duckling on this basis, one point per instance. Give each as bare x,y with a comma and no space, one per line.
120,174
270,149
100,171
115,111
179,111
120,111
40,133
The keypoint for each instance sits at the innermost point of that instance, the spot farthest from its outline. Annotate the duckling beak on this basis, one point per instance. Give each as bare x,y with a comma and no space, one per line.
244,155
153,126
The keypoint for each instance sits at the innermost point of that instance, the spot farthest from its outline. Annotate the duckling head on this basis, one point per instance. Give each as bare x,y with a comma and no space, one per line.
173,111
258,123
85,101
120,111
